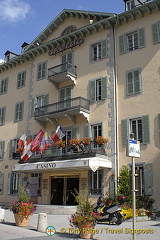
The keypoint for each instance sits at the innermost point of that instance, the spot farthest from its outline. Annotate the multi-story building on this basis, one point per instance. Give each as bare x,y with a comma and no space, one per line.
86,71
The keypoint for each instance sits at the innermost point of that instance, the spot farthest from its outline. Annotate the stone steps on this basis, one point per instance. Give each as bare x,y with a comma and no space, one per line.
55,209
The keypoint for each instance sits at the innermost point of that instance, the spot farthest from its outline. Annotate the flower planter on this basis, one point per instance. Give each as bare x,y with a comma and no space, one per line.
86,231
21,221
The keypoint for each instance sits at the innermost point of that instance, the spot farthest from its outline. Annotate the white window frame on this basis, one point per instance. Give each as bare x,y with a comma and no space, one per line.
3,85
139,179
137,125
96,130
129,5
39,101
132,41
15,182
96,182
96,52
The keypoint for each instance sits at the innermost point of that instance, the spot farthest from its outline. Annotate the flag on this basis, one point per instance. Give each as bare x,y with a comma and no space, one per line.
45,143
59,134
27,150
37,141
22,141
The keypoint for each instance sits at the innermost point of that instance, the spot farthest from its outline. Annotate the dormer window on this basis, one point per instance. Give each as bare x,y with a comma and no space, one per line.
129,5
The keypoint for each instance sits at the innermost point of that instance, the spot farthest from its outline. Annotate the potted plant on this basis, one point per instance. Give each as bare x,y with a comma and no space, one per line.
85,218
74,142
60,144
85,141
22,208
101,140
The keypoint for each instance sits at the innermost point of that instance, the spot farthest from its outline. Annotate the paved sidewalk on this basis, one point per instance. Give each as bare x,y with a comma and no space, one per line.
146,230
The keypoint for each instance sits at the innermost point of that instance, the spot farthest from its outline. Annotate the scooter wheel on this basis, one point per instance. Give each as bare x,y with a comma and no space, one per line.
119,219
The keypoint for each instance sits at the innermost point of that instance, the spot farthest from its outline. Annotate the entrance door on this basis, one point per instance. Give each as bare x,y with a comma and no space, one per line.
62,189
57,186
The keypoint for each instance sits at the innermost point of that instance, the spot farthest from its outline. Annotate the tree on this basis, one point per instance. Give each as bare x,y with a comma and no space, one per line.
124,181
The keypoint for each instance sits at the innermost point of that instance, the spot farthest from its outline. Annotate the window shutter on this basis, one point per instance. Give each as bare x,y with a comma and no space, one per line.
121,44
137,82
141,38
64,58
2,143
111,188
11,148
44,70
1,182
155,33
33,106
159,124
74,132
9,184
145,129
104,50
104,88
148,179
21,110
87,130
70,58
124,126
89,181
46,98
129,83
92,91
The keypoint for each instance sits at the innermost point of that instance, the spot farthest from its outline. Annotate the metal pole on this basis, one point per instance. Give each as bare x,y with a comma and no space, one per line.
133,198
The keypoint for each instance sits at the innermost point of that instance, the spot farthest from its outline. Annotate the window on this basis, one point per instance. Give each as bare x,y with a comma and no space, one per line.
67,61
96,130
41,70
129,5
15,182
68,30
39,176
64,97
96,179
19,111
143,179
98,89
2,143
1,183
139,126
38,102
98,51
21,78
133,82
3,85
132,41
156,32
13,147
2,115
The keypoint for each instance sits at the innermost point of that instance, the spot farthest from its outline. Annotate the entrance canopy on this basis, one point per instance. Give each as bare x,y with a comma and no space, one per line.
65,165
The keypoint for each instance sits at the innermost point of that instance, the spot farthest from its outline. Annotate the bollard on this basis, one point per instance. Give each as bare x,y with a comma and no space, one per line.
42,222
1,215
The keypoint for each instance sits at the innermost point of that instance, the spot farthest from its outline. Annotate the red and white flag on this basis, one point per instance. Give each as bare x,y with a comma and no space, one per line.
59,134
27,150
22,141
37,141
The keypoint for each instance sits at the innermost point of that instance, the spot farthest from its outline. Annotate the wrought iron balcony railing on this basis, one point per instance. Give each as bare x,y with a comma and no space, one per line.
72,106
62,72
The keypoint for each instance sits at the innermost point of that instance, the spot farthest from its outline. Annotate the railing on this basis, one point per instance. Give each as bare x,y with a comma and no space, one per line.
61,68
70,104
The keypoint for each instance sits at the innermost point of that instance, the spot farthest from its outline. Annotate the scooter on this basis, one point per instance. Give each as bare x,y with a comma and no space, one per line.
110,213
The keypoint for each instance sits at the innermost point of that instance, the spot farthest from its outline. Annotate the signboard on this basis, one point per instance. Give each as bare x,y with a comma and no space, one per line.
133,148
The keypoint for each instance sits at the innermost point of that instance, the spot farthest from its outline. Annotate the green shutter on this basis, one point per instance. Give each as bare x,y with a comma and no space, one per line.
141,38
111,188
1,182
46,99
129,83
9,184
148,179
11,148
74,132
137,81
70,58
159,124
145,129
121,44
33,106
155,33
104,87
124,129
92,91
87,130
104,52
2,144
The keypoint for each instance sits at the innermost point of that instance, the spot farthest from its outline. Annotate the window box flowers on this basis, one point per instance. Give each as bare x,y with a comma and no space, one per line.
60,144
101,140
85,141
74,142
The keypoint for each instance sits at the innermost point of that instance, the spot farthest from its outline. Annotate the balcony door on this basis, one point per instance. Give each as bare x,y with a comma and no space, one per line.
67,61
65,96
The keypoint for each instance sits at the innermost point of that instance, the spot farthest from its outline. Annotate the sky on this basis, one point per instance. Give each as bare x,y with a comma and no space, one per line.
23,20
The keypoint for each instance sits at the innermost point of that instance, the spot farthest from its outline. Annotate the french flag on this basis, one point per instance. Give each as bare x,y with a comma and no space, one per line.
59,134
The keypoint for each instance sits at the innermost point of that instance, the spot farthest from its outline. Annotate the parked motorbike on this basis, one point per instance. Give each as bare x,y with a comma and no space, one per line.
110,213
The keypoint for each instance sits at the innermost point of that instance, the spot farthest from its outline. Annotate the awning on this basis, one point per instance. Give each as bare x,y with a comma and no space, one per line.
67,165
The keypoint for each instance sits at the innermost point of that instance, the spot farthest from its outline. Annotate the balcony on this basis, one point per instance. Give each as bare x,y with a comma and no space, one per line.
62,72
64,109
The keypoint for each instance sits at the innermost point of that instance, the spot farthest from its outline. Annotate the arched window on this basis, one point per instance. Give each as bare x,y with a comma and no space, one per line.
68,30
